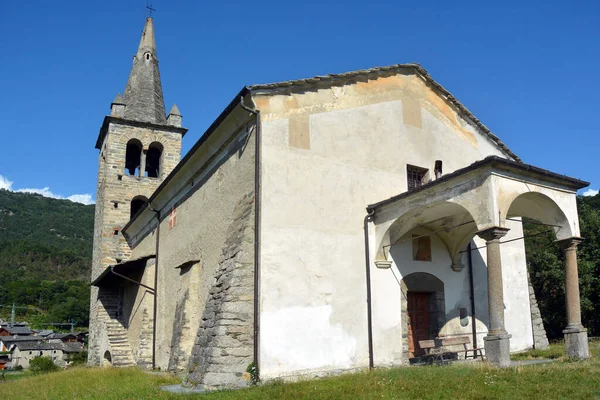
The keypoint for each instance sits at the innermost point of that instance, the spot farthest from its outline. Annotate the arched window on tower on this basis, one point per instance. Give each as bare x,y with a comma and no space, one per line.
153,160
136,204
133,157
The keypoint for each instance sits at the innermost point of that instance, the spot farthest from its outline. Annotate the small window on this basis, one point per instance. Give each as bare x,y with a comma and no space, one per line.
421,248
415,176
153,160
136,204
133,157
438,169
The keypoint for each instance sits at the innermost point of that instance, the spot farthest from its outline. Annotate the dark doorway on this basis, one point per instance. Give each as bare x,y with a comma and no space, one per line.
418,321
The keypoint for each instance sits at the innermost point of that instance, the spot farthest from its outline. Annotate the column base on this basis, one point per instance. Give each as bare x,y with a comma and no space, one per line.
497,349
576,342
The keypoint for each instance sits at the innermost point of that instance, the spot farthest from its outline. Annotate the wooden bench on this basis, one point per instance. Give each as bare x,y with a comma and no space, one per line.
436,349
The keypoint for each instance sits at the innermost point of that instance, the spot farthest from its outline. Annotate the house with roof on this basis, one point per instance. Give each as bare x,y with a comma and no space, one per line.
7,342
59,353
15,330
318,226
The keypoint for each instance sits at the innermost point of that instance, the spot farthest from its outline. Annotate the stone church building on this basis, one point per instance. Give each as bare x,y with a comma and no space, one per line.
318,225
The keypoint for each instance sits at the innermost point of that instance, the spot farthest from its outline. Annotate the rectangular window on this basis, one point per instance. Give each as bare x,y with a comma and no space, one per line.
416,176
421,248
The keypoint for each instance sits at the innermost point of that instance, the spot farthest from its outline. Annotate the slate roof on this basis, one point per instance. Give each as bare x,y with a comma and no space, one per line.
14,339
143,96
574,183
18,330
72,347
62,336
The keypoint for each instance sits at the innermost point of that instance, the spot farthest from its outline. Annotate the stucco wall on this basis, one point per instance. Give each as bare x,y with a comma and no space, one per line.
328,153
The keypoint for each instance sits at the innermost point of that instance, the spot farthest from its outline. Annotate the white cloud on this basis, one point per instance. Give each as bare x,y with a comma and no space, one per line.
81,198
590,192
5,183
46,192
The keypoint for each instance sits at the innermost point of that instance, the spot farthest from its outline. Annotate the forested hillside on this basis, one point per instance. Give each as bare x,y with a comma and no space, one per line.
45,257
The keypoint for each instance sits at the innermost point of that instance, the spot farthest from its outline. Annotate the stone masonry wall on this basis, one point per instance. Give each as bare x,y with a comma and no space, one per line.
113,206
540,340
224,344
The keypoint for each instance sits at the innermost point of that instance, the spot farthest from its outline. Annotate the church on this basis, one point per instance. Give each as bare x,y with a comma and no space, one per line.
318,226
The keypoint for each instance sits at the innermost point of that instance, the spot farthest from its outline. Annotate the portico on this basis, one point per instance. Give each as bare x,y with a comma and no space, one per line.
485,200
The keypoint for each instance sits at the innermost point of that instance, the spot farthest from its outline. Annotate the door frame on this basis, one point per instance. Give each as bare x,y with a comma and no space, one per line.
425,283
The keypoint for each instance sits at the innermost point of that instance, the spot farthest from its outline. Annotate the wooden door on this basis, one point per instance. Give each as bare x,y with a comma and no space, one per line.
418,321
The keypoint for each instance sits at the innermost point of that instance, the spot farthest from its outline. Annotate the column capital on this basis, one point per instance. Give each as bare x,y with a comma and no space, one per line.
569,243
493,233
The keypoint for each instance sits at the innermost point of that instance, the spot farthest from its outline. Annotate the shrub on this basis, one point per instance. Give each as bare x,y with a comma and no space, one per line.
79,358
42,365
18,368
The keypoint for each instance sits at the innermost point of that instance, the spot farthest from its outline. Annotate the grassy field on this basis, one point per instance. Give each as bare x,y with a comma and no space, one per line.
562,379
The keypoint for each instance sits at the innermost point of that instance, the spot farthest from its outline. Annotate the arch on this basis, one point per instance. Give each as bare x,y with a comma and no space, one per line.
136,204
542,208
433,287
133,157
452,223
107,362
154,160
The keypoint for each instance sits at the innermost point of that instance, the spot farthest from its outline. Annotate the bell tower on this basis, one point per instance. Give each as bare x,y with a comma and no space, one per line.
139,146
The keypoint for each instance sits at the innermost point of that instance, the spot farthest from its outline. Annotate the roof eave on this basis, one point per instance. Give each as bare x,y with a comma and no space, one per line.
494,162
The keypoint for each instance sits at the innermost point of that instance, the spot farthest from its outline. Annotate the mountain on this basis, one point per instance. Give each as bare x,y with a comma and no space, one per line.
45,256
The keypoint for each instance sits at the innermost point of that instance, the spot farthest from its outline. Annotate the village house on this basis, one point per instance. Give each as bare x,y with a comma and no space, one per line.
59,353
318,226
15,330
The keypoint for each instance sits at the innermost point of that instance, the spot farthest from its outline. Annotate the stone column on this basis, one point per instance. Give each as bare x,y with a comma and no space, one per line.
576,340
143,163
497,341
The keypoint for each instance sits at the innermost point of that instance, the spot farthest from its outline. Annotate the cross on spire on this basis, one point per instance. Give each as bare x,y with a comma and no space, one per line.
149,7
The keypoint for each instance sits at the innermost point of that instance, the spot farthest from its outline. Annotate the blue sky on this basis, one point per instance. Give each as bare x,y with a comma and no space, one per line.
527,69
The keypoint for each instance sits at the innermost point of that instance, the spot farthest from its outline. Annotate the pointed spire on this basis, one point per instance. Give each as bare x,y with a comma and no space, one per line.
174,118
174,110
143,93
119,100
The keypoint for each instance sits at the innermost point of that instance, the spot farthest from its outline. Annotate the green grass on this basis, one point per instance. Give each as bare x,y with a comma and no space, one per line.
554,351
558,380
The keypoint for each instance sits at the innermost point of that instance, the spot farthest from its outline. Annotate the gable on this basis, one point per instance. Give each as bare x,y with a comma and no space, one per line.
408,83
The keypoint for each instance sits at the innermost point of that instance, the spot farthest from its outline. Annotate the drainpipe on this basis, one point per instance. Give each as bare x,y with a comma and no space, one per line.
370,214
155,311
472,290
257,195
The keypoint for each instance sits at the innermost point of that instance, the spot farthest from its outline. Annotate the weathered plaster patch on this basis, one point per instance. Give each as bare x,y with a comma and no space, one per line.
411,113
299,132
323,344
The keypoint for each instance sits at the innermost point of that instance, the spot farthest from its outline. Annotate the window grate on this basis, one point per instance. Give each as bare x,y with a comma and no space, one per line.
415,176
